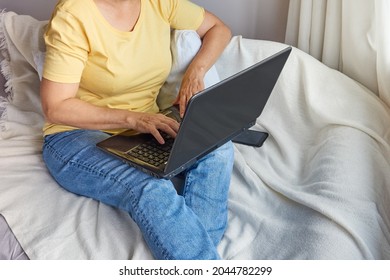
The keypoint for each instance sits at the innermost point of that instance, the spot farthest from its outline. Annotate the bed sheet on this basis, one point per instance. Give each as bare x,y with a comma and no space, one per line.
319,188
10,248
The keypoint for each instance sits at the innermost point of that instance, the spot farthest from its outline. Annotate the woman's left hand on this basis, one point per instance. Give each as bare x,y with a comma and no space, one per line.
192,83
215,36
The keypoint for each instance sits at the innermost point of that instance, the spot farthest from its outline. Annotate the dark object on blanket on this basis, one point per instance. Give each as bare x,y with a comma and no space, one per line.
251,138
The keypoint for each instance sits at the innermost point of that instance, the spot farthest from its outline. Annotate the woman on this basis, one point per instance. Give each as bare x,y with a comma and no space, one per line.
105,63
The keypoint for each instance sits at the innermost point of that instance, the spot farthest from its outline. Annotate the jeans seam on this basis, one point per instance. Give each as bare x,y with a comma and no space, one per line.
187,184
105,174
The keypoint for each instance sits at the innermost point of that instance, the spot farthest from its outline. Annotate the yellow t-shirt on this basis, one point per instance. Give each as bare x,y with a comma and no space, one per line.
115,69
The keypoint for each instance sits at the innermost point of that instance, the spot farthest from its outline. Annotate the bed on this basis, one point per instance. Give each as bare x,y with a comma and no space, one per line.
318,188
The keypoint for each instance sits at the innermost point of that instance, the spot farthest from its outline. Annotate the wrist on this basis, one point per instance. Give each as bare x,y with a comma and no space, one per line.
130,119
197,70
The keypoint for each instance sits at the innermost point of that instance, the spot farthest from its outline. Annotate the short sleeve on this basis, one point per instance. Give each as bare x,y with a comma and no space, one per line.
66,49
185,15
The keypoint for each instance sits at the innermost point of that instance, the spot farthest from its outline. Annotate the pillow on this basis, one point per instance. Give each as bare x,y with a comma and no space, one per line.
185,44
21,38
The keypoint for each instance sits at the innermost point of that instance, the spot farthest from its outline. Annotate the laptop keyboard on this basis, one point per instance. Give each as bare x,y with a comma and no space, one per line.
153,152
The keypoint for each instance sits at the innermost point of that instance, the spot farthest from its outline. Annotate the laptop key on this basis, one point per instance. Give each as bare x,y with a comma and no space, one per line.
152,152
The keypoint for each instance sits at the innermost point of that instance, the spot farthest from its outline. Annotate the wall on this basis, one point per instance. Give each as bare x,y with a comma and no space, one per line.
257,19
40,9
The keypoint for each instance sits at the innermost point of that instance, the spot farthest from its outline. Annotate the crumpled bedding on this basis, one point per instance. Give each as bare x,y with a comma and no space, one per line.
9,247
319,187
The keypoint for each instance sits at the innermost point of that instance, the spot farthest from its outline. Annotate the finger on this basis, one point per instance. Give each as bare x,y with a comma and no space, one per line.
174,125
167,125
169,130
170,122
182,105
156,134
177,100
171,127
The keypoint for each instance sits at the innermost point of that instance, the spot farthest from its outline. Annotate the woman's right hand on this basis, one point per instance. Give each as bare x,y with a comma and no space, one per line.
153,124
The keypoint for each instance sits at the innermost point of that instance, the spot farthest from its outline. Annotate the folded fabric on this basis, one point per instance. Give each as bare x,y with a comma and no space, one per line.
22,116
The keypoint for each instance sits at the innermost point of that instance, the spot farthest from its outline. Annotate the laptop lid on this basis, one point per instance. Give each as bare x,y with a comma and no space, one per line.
213,117
221,112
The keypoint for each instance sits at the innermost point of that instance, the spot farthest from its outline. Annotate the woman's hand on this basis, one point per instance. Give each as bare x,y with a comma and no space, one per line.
215,36
192,83
153,124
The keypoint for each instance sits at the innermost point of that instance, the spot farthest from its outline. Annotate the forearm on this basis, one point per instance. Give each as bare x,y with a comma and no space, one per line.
61,106
78,113
214,42
215,37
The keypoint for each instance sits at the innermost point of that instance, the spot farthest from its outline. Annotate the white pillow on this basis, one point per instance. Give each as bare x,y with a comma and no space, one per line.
21,37
185,44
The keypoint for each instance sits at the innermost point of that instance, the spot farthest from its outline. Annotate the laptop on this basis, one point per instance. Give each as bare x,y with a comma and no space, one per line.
213,117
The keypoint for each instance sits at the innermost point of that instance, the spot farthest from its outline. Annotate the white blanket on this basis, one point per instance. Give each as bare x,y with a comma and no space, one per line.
319,188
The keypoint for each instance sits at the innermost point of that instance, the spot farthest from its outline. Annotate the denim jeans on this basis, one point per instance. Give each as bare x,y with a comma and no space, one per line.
187,226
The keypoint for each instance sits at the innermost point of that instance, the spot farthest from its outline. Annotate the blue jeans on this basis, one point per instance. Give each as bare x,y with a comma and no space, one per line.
187,226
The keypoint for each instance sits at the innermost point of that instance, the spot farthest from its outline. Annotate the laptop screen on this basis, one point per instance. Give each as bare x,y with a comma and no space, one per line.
219,113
